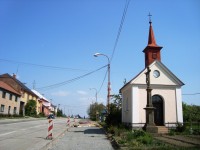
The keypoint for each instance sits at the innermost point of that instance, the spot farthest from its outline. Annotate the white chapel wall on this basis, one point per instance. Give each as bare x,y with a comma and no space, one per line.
179,105
127,103
135,105
169,97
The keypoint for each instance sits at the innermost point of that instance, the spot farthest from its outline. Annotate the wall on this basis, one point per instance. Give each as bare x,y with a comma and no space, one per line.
126,104
7,102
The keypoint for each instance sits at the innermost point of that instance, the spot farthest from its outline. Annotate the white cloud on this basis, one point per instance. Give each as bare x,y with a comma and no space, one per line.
60,93
83,93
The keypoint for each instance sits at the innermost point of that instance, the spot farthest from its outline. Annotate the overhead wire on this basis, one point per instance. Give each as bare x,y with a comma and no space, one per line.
120,28
103,82
69,81
117,39
39,65
77,78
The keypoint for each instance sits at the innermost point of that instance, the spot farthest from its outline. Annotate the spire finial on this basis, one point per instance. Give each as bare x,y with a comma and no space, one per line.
149,17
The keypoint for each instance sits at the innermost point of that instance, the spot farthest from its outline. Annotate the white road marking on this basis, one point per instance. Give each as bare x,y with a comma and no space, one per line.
7,133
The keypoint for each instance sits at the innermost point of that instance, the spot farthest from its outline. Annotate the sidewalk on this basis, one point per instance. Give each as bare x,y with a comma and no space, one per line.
83,138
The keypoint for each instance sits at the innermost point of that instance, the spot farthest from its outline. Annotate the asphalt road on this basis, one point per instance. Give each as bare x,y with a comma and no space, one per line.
28,134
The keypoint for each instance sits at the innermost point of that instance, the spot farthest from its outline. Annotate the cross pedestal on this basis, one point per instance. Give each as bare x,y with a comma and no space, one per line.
149,125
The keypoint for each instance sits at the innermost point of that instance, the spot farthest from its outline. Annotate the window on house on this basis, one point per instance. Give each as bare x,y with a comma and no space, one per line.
16,98
9,108
3,94
15,110
2,108
10,97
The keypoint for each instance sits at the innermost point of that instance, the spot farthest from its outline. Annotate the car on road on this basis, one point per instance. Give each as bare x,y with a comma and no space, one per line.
51,116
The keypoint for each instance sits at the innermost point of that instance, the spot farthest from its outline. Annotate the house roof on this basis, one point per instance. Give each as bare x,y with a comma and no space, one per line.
162,66
7,87
40,95
24,87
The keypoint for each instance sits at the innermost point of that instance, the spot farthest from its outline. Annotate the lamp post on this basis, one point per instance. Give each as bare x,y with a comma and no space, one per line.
108,96
95,93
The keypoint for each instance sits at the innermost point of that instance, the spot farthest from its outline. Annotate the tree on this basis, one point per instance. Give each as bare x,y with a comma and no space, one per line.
114,118
59,113
30,108
94,109
191,113
117,100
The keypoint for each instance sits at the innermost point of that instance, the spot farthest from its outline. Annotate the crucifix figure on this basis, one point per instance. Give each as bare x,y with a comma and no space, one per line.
148,76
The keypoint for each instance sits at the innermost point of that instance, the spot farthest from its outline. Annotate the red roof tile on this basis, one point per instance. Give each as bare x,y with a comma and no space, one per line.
5,86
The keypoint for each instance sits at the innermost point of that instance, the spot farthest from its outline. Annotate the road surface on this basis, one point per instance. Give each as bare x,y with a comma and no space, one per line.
25,134
30,134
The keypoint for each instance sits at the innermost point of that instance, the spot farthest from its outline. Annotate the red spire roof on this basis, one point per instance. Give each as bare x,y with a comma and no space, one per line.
151,40
152,50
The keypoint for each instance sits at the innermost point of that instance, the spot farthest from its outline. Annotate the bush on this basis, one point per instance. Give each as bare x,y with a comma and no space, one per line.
41,114
9,115
30,108
138,133
172,132
180,127
196,132
146,139
111,130
130,136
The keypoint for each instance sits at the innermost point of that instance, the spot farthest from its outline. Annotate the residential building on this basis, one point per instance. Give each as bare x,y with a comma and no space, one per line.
9,100
45,105
26,93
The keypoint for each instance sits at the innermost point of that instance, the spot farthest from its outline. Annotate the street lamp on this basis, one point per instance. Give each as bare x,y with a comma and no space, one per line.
95,93
108,96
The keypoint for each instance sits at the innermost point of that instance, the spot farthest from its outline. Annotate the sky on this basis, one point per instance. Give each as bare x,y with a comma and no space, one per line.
46,42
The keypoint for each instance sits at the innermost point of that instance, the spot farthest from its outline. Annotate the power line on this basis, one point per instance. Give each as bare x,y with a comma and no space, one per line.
117,38
103,82
120,27
39,65
71,80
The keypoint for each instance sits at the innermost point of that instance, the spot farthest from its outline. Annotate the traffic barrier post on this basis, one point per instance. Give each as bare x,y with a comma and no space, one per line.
68,121
50,130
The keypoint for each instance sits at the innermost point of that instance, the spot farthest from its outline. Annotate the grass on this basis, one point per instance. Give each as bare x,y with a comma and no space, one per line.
127,139
136,139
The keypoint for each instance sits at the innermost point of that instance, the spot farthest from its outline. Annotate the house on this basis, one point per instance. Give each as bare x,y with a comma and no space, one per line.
9,100
26,93
166,91
45,105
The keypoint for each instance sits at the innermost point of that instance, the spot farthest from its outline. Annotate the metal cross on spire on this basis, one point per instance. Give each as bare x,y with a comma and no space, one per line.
149,17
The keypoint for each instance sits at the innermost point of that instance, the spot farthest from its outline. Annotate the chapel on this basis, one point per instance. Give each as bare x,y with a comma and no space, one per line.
166,91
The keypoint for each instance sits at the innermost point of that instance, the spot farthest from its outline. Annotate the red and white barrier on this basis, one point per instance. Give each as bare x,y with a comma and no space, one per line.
50,130
68,121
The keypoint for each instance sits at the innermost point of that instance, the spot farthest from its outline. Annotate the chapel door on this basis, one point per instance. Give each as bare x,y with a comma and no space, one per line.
158,112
